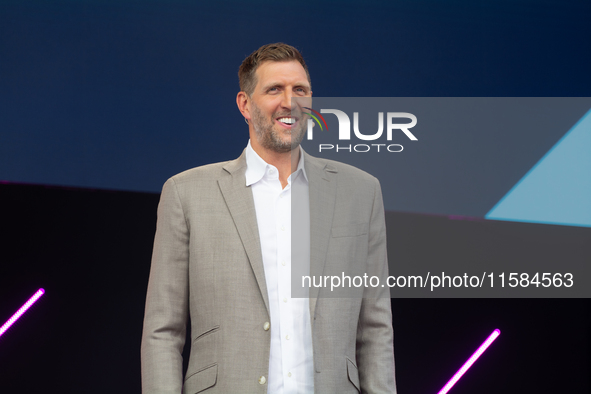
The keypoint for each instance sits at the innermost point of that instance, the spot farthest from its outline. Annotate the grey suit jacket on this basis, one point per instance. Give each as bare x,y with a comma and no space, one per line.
207,265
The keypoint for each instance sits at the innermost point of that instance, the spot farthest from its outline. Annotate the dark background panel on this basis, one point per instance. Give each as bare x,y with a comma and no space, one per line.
456,246
90,250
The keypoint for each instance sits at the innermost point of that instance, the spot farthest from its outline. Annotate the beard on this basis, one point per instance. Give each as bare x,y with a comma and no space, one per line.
270,138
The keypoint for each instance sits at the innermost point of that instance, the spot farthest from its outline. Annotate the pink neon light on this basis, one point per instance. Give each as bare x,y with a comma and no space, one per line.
21,311
470,361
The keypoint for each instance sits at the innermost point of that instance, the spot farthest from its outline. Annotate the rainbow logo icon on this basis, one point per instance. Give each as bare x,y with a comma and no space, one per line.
316,118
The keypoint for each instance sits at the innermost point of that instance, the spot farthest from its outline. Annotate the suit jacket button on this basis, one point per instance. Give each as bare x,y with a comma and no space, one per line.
262,380
266,326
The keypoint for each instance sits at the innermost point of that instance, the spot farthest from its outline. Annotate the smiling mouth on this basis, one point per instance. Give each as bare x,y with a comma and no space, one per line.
287,120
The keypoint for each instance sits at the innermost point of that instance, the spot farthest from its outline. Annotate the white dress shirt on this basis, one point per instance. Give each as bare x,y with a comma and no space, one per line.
291,362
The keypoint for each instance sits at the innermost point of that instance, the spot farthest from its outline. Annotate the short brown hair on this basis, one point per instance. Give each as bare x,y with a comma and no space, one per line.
278,52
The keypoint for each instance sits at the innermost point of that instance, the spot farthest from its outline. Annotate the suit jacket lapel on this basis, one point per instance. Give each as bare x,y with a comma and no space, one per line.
240,202
322,198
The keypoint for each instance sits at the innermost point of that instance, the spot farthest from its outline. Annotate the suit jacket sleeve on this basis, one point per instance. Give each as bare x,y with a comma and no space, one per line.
375,348
166,312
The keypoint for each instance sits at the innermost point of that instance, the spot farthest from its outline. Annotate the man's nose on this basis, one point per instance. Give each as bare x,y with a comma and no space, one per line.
286,99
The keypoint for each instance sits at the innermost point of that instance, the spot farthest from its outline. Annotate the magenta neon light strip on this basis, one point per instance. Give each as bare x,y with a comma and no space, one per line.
21,311
470,361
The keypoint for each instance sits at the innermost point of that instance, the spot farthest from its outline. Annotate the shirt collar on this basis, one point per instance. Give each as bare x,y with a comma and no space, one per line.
256,166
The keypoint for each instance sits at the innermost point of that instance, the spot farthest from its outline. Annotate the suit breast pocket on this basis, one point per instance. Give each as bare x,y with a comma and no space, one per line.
347,252
353,230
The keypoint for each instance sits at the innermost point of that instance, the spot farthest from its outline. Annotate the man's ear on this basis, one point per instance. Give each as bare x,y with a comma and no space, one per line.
243,102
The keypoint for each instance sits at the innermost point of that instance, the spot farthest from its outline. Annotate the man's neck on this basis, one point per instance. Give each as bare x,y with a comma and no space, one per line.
286,163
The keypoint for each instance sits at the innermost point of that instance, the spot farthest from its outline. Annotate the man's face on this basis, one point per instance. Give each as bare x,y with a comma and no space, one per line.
277,127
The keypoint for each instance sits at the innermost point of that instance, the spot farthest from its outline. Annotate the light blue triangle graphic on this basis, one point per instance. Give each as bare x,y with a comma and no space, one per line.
557,190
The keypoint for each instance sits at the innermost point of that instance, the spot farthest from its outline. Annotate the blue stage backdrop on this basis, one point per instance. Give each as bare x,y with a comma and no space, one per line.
123,94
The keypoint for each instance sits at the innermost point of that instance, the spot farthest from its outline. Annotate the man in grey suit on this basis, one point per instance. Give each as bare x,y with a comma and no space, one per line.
224,257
